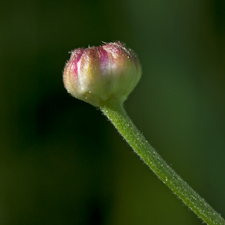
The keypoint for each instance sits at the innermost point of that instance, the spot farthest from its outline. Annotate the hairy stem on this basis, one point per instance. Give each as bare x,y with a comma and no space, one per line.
116,114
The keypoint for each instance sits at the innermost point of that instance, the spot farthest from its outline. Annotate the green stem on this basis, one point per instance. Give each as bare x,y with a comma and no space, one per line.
116,114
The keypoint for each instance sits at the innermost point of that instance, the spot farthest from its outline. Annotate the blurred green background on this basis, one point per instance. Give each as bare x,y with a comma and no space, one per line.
61,161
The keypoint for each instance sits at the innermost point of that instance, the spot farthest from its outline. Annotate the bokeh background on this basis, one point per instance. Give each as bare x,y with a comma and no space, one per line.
61,161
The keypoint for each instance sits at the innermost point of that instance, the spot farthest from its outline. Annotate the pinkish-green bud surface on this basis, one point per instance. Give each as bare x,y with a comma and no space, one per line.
98,74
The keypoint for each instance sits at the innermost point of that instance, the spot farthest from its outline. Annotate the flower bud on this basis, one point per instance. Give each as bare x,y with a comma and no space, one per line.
98,74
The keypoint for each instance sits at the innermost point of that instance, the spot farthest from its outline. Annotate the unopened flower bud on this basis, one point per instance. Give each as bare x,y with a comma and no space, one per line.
98,74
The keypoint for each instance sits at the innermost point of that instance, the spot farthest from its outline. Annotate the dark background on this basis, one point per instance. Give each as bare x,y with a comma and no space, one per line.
61,161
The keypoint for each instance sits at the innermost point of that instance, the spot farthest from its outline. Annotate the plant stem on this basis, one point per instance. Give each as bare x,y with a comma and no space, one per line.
116,114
